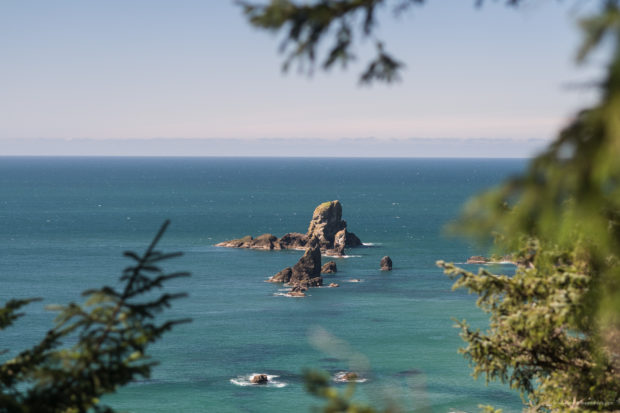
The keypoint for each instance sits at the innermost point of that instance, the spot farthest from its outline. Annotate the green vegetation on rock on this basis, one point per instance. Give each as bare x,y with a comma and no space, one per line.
324,207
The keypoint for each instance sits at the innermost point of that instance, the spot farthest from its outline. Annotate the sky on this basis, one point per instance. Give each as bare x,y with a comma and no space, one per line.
191,77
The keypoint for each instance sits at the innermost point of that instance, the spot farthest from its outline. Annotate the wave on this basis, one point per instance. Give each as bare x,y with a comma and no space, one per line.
340,377
289,295
371,244
245,381
340,256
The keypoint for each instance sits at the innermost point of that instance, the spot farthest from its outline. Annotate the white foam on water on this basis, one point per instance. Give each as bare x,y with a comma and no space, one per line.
245,381
289,295
339,256
332,256
340,377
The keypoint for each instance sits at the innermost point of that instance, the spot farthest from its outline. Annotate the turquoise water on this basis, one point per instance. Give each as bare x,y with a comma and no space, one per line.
66,221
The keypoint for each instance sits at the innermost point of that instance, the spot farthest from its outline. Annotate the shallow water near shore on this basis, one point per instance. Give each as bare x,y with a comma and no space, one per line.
66,222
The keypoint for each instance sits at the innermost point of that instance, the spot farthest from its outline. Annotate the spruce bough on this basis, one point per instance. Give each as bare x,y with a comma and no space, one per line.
111,331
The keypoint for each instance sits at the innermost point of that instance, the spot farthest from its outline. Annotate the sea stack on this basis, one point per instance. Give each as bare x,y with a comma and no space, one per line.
306,273
326,225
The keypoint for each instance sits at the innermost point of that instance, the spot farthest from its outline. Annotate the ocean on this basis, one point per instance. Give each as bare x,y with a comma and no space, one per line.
66,222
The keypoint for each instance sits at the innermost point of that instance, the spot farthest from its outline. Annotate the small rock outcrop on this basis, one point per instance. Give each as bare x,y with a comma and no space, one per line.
329,268
386,264
347,376
326,225
263,242
477,259
283,276
259,379
294,240
306,273
350,376
297,292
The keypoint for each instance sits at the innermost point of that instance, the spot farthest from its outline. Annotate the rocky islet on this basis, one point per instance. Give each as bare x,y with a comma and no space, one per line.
326,225
386,263
327,234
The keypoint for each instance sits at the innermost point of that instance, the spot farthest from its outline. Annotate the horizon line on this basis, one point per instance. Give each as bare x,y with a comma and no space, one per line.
264,157
279,147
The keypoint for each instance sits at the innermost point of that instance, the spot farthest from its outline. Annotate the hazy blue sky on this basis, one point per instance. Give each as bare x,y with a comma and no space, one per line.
142,69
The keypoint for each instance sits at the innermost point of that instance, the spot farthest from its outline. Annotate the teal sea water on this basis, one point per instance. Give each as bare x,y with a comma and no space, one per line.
66,221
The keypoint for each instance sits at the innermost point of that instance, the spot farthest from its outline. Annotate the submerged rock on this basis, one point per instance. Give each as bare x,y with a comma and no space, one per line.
386,264
329,268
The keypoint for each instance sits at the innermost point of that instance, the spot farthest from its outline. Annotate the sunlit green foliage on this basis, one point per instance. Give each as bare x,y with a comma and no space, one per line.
318,384
110,331
555,324
306,24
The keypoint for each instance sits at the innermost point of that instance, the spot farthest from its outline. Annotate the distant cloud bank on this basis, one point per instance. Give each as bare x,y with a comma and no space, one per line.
296,147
